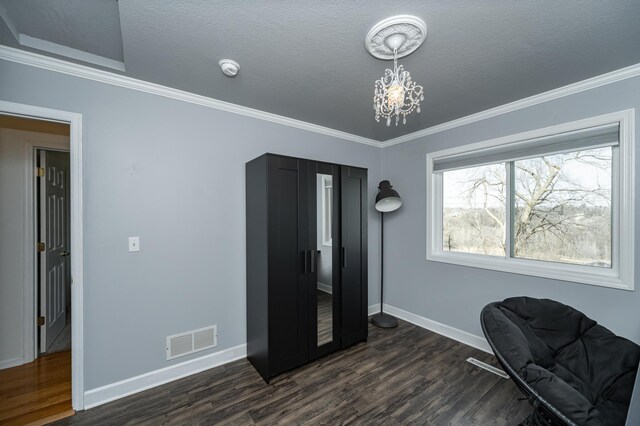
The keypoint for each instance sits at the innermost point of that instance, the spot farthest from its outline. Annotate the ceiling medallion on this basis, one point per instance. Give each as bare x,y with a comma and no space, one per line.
396,94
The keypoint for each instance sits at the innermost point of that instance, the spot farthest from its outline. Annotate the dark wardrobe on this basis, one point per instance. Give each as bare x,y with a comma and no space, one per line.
306,260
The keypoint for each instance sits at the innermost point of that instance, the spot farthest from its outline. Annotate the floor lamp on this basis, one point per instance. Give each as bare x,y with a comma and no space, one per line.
387,200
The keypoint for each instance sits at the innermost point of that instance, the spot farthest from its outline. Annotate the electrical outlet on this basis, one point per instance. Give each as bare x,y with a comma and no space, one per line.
134,243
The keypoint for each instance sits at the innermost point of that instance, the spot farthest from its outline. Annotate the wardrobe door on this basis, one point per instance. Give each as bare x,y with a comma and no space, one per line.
289,263
354,254
324,238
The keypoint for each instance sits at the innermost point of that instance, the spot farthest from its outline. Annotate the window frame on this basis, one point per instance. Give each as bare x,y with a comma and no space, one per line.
621,273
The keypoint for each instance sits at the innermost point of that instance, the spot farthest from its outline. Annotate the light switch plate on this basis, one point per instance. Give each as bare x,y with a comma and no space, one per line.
134,243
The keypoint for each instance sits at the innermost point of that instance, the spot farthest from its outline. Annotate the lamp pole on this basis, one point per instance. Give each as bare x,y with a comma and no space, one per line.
387,200
381,261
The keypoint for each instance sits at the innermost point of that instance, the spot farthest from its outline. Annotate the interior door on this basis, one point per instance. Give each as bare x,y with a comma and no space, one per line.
354,254
54,233
289,263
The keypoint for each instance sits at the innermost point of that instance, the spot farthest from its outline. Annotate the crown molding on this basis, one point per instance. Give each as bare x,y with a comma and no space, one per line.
570,89
69,52
77,70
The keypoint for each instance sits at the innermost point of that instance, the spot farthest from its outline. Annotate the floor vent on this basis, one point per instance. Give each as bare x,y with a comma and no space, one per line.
488,367
192,341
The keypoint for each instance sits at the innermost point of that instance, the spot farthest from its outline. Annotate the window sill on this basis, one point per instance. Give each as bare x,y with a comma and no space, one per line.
564,272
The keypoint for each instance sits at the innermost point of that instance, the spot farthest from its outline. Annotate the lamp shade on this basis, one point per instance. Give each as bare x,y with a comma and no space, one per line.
387,199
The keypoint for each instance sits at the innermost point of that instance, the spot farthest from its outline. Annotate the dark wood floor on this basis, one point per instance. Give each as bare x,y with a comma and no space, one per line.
38,392
405,375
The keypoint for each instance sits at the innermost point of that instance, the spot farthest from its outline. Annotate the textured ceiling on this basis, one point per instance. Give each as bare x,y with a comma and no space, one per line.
306,60
89,25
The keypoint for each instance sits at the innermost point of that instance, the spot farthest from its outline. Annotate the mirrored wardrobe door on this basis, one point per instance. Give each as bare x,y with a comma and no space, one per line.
324,287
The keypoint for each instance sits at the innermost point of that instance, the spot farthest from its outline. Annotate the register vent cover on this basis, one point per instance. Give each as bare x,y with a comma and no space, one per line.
489,368
192,341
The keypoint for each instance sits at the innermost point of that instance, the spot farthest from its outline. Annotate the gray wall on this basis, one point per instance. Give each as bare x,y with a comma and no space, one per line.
454,295
172,173
12,243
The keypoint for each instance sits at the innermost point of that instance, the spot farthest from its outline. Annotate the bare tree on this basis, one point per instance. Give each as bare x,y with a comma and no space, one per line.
448,242
548,201
486,188
556,212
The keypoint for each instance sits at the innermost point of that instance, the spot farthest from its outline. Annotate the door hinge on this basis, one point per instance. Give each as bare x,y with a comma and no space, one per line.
41,320
41,247
40,171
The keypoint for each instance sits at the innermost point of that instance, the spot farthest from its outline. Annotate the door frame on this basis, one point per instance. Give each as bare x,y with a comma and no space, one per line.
77,283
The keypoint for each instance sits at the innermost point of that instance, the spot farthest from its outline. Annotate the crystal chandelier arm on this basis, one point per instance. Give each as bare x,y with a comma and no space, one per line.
402,77
388,77
413,93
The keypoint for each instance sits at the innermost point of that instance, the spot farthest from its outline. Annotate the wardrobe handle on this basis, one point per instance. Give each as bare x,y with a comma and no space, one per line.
313,260
343,257
305,268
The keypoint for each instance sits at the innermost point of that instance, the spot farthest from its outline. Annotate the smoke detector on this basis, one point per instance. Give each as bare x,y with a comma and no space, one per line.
229,67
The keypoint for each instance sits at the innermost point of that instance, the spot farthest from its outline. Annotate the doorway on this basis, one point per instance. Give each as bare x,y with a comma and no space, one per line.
36,239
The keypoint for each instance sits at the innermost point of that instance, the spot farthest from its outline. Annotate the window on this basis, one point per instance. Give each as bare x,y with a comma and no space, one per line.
474,210
554,203
327,197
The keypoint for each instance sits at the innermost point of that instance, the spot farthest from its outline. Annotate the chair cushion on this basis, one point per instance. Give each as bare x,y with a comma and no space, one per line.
579,367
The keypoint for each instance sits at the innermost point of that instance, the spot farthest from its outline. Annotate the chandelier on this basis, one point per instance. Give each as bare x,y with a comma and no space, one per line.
396,95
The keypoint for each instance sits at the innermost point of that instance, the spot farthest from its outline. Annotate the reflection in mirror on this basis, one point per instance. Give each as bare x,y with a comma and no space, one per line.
324,259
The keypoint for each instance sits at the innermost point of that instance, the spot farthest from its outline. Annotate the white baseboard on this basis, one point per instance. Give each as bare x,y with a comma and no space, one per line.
13,362
374,309
113,391
325,287
461,336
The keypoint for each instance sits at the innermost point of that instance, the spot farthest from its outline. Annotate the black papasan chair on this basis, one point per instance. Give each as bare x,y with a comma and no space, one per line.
572,370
